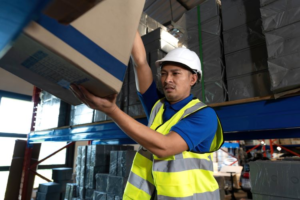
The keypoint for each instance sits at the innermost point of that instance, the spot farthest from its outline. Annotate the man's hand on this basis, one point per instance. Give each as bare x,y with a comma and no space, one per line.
105,104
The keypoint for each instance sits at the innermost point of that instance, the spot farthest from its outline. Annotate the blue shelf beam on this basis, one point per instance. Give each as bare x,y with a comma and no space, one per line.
256,120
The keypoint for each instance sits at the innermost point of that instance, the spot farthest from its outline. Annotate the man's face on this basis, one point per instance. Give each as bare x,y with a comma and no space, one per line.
176,82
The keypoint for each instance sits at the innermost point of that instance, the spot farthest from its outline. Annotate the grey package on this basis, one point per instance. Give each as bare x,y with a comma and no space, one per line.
99,195
208,10
276,178
244,36
247,86
71,191
49,187
284,48
62,174
265,2
157,35
79,155
110,184
236,13
46,196
113,164
215,92
246,61
269,197
89,193
284,72
280,13
282,34
81,114
83,155
81,192
90,180
125,160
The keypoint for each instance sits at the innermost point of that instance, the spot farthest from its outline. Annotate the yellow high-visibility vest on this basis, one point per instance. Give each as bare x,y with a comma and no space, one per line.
185,176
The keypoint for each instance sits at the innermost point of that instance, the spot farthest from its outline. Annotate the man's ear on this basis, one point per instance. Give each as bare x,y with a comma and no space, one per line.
194,78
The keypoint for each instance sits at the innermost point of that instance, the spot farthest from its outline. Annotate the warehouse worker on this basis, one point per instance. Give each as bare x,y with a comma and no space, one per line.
175,161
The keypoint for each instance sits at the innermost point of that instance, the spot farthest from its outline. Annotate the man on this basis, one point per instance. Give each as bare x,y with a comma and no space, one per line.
175,161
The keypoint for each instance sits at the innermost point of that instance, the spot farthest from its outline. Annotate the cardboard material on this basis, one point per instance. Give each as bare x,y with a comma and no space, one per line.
91,51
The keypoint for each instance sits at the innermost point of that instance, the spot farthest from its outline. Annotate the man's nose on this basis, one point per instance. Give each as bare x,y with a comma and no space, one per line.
168,78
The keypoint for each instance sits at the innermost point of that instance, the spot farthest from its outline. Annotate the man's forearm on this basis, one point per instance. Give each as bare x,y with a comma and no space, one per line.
148,138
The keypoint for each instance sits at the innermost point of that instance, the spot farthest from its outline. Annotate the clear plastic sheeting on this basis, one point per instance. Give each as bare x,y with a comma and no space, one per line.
81,114
280,13
215,92
275,179
246,61
99,116
148,24
285,33
236,13
244,36
285,72
247,86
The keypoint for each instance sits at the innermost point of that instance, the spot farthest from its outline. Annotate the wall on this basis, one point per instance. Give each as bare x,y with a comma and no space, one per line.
12,83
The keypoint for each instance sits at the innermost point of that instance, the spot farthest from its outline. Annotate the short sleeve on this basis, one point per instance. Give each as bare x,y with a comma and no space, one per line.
198,129
149,98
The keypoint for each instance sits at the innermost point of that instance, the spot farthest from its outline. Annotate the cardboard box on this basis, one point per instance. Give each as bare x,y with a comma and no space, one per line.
93,51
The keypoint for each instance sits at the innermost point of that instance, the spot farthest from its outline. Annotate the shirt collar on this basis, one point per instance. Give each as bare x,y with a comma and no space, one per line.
177,106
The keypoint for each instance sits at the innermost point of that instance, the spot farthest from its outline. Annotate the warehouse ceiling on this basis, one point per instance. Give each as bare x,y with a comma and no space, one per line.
160,10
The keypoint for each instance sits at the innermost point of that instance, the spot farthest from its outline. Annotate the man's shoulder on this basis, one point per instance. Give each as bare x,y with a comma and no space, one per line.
206,112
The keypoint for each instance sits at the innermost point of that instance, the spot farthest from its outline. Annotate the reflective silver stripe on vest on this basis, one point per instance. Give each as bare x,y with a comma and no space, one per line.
182,165
215,195
154,112
192,109
141,183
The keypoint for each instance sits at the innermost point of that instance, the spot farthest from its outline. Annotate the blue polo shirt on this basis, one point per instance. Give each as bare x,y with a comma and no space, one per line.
198,129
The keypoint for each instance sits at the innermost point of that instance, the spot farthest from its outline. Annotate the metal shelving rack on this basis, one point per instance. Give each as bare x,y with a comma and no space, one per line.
267,119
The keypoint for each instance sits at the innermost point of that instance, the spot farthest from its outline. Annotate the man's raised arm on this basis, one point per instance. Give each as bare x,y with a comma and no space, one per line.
143,74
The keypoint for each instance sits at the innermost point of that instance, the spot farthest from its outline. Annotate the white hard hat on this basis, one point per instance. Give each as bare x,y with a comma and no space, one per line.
183,56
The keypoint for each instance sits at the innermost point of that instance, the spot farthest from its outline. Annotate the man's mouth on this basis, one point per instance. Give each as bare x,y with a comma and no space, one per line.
169,88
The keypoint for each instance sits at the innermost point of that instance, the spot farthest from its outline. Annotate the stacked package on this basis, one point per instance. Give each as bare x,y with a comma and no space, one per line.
96,159
81,114
55,190
275,180
202,34
281,24
245,50
52,112
148,24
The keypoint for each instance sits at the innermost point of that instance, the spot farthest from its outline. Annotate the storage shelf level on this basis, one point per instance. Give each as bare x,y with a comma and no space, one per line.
264,119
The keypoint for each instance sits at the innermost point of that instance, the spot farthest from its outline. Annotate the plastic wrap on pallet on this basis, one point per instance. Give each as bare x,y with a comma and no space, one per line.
244,36
91,173
99,195
246,61
285,33
51,113
113,163
284,72
72,191
247,86
116,185
99,116
209,9
89,193
49,187
47,196
280,13
142,29
62,173
81,192
275,178
284,48
268,197
236,13
211,48
81,114
159,34
215,92
213,70
125,160
79,155
265,2
83,155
